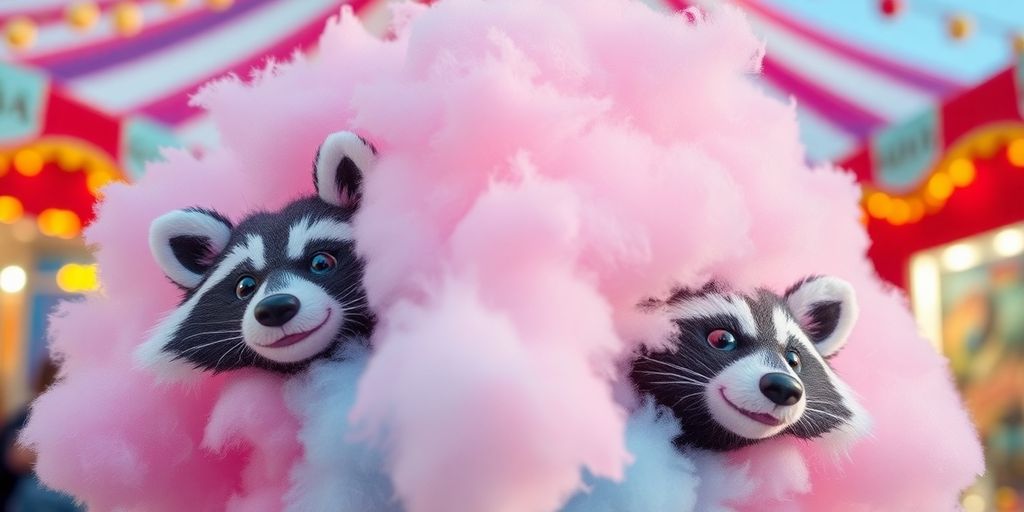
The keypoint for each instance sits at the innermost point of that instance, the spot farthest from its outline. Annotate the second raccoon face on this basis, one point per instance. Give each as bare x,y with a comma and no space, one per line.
744,368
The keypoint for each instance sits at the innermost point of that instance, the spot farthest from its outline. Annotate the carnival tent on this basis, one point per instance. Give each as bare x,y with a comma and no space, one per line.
919,99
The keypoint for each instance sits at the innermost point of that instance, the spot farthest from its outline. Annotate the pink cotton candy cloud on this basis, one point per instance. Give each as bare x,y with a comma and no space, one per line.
544,167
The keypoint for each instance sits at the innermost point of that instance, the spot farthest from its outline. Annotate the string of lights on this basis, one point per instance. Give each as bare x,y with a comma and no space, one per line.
960,26
126,18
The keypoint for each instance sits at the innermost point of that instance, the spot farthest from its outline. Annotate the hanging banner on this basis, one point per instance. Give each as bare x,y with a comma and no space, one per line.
141,143
903,154
23,95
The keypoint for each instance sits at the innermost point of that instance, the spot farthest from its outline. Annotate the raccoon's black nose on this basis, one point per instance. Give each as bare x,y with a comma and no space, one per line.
781,388
275,310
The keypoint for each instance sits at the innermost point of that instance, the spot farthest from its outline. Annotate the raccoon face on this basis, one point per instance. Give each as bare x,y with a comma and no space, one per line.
276,291
745,368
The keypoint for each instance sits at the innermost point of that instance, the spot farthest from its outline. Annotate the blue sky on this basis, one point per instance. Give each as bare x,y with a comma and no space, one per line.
919,34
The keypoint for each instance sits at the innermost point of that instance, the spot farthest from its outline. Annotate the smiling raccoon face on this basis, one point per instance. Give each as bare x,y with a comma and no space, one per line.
745,368
276,291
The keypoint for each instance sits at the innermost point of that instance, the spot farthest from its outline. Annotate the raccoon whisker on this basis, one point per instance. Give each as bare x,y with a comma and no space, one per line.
197,347
840,418
353,306
357,286
241,353
667,374
213,323
666,363
241,343
360,302
704,365
687,382
684,397
235,331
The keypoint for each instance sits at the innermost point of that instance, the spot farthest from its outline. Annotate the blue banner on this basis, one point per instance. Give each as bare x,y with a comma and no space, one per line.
22,103
903,154
143,139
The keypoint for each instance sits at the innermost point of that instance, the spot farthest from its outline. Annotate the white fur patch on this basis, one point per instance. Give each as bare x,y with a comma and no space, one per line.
151,353
318,312
712,305
740,384
336,147
189,223
826,289
305,231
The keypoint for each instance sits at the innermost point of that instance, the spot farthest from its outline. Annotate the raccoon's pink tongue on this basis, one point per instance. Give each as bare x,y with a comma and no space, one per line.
767,419
759,417
291,339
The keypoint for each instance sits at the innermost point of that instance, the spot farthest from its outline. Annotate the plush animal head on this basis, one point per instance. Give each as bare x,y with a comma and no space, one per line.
745,368
276,291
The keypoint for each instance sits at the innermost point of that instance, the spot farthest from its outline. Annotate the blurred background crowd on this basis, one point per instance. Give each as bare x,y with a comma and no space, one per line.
922,100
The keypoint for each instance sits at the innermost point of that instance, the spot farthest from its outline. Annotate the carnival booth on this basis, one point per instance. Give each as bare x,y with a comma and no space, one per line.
56,153
943,200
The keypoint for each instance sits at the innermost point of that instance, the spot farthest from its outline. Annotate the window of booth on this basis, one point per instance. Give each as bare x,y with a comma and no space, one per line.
968,297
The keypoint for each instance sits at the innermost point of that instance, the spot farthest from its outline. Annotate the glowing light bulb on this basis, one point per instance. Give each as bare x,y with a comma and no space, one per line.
940,186
1008,242
10,209
1015,152
879,205
960,27
960,257
21,33
28,162
962,172
82,15
127,18
75,278
13,279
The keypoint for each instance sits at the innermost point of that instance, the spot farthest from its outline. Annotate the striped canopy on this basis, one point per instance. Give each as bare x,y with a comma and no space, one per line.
851,69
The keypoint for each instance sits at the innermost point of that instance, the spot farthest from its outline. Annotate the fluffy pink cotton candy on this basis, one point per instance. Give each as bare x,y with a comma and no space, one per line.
251,418
544,167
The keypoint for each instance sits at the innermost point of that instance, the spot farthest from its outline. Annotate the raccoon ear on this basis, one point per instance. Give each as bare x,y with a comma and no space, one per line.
826,309
339,166
185,242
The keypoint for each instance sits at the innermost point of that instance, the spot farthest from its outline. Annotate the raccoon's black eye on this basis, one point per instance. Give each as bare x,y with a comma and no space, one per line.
721,339
793,360
246,287
322,263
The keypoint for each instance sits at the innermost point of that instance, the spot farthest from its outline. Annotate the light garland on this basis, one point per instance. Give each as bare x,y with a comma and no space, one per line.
20,33
126,19
70,155
82,16
955,171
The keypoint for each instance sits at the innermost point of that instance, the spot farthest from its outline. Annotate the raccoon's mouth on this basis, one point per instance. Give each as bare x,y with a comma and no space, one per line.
760,417
292,339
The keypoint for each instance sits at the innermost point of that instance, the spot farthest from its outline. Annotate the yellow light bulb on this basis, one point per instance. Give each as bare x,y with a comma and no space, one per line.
960,27
127,18
28,162
10,209
220,5
899,214
21,33
940,186
878,205
962,172
1015,152
82,15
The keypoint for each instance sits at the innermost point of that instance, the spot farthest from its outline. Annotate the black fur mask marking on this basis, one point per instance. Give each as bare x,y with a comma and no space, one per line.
278,290
745,368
